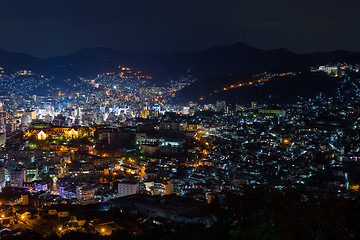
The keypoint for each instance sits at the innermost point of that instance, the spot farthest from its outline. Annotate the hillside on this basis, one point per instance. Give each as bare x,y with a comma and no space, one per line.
277,90
221,60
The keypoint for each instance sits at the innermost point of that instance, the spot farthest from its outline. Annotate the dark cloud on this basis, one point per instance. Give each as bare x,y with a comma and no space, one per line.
48,28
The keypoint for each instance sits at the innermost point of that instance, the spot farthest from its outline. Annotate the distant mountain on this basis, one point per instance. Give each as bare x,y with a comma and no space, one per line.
92,61
16,61
233,59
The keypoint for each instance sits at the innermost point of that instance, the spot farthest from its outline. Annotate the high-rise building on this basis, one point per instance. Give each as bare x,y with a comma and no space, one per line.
17,178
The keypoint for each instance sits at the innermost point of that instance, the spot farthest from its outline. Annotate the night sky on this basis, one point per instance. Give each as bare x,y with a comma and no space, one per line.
57,27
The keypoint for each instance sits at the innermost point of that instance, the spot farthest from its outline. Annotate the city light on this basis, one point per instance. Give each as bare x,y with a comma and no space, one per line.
41,135
115,151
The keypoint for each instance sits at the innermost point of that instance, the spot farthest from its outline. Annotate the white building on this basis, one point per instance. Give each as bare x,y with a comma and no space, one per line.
127,188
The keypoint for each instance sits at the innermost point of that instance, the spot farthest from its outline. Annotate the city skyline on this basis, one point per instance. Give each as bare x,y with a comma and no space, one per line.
169,120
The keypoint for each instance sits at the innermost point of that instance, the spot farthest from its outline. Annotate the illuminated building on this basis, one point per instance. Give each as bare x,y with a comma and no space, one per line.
17,178
41,135
186,110
173,126
127,188
43,131
72,134
146,113
85,194
163,188
31,114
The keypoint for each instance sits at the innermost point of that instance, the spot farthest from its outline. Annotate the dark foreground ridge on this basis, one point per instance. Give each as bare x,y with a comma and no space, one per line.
260,213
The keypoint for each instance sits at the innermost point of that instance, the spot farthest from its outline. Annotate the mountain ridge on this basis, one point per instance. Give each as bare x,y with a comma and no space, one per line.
237,58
